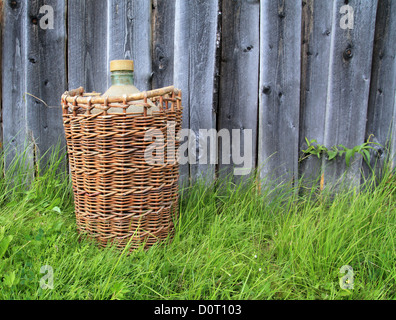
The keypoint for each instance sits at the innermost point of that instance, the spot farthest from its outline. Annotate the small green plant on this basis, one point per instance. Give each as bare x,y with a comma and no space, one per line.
314,148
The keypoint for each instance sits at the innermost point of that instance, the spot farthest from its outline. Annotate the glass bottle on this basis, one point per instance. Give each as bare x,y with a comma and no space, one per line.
122,82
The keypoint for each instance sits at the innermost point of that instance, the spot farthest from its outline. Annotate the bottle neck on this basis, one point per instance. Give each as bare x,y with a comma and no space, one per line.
120,78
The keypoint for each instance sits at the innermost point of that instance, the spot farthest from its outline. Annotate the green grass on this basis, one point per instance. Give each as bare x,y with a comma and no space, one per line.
235,243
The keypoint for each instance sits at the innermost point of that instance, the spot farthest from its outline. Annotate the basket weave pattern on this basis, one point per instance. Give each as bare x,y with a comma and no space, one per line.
119,196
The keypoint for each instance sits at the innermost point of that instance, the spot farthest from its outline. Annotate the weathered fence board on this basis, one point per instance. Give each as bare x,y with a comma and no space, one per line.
46,77
129,37
1,50
280,66
194,61
381,111
315,55
181,81
284,69
14,66
348,88
238,98
87,45
101,31
163,42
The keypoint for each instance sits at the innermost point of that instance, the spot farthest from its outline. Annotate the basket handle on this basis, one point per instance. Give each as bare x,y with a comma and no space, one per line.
75,92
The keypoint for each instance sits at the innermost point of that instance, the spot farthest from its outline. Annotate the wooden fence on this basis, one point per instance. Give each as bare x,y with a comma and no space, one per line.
285,69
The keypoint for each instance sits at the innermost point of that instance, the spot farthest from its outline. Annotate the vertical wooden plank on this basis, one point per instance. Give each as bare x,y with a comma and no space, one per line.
181,79
1,50
88,45
129,37
382,106
279,96
348,87
203,36
238,104
194,73
163,42
14,65
46,74
316,39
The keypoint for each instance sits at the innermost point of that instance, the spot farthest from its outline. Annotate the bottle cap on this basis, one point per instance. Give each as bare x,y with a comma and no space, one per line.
121,65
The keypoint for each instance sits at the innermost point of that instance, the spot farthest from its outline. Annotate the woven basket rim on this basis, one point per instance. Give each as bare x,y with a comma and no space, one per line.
76,96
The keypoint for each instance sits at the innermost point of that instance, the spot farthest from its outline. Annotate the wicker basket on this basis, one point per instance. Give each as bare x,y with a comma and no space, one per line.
120,197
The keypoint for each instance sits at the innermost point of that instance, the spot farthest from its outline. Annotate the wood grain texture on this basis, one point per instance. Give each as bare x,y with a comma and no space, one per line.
280,67
46,74
129,37
181,79
194,74
281,61
239,69
316,38
163,16
88,61
203,36
348,88
381,110
14,77
1,87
